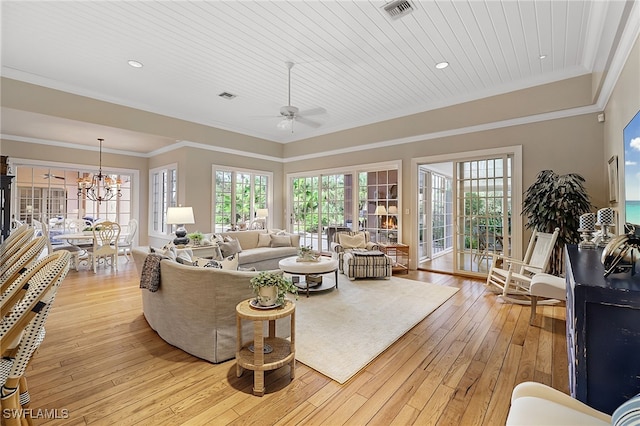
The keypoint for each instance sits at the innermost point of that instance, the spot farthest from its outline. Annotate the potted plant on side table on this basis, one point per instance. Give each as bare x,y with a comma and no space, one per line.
270,288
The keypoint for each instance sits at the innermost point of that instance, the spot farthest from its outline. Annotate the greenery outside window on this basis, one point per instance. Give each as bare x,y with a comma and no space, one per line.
237,196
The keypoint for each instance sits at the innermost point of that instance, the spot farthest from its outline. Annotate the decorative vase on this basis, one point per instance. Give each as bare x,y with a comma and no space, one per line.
268,295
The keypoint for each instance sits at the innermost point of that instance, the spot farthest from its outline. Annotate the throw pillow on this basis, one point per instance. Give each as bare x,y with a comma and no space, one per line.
280,241
229,263
628,413
230,247
264,240
352,241
184,261
169,253
216,238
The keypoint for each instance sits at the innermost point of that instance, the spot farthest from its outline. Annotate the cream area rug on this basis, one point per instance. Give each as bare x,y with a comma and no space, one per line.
339,332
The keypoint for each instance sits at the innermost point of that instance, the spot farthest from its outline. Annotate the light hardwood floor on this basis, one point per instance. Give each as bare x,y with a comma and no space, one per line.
102,364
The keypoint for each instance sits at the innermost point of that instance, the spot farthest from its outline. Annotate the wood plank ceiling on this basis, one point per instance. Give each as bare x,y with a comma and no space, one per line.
351,59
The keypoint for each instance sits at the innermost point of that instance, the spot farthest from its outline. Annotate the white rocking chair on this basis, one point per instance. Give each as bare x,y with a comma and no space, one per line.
512,277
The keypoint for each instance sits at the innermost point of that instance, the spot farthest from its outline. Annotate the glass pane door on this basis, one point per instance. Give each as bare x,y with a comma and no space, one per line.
305,210
483,211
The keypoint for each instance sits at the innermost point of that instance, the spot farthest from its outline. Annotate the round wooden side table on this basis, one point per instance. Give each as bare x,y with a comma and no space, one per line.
264,353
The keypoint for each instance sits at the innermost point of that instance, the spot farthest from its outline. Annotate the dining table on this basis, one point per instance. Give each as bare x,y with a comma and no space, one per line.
82,240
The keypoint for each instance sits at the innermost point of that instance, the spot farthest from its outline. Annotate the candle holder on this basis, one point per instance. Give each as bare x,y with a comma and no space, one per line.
587,228
605,221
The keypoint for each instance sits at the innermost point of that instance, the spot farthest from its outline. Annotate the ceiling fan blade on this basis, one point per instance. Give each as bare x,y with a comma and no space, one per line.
313,111
308,122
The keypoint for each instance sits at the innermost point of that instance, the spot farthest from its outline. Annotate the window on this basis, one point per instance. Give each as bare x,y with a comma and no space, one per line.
323,203
163,183
238,194
50,195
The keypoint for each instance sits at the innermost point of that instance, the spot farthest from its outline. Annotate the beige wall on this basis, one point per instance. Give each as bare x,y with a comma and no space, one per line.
568,145
623,104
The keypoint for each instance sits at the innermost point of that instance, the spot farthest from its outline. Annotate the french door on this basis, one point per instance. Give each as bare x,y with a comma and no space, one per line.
319,204
483,211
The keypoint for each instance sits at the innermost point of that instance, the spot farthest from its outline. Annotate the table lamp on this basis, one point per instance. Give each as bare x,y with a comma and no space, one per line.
180,216
262,215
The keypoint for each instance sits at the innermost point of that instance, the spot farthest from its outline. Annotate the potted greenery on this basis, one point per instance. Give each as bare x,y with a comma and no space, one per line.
307,254
270,288
556,201
196,238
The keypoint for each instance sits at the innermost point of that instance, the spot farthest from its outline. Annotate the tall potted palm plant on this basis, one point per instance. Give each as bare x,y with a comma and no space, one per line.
556,201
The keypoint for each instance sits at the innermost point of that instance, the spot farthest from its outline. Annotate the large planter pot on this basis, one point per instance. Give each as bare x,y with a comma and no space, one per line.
268,295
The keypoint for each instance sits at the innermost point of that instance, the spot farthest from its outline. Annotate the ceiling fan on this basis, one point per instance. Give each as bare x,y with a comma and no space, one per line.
52,176
291,114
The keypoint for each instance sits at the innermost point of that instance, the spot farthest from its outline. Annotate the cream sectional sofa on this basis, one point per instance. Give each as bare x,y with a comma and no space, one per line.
194,308
261,249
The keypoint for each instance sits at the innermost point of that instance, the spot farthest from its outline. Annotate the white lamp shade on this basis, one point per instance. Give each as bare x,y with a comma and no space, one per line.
180,216
380,211
262,213
393,209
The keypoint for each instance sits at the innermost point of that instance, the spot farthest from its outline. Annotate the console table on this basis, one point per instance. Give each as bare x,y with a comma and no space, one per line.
603,331
400,255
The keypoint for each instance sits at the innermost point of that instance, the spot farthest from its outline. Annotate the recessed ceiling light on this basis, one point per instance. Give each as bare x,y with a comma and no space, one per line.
542,56
442,65
135,64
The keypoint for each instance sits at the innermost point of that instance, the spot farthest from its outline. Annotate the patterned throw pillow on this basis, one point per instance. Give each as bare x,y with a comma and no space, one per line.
229,263
628,413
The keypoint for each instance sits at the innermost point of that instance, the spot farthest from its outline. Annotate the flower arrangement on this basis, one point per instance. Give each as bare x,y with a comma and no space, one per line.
275,280
307,253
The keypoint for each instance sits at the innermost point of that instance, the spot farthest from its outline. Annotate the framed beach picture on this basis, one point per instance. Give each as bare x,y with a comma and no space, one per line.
631,136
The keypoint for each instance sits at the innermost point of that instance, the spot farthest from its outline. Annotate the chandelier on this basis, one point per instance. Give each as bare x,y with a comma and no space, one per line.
99,187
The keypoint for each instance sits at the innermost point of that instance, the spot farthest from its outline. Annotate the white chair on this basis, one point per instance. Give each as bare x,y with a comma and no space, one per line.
536,404
127,242
512,277
547,286
105,244
74,251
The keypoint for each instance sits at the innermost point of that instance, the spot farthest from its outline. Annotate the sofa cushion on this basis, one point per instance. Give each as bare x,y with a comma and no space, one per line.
264,253
229,248
280,241
264,240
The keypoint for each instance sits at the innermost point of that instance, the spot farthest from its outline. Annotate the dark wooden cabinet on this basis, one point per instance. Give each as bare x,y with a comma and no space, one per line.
603,331
5,206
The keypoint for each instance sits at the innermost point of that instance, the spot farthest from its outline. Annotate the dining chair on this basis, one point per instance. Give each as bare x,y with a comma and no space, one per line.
127,242
105,244
73,250
11,245
77,226
16,265
22,331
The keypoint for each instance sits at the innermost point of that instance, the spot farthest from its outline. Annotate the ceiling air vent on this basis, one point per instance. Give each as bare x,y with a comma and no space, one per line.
227,95
399,8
